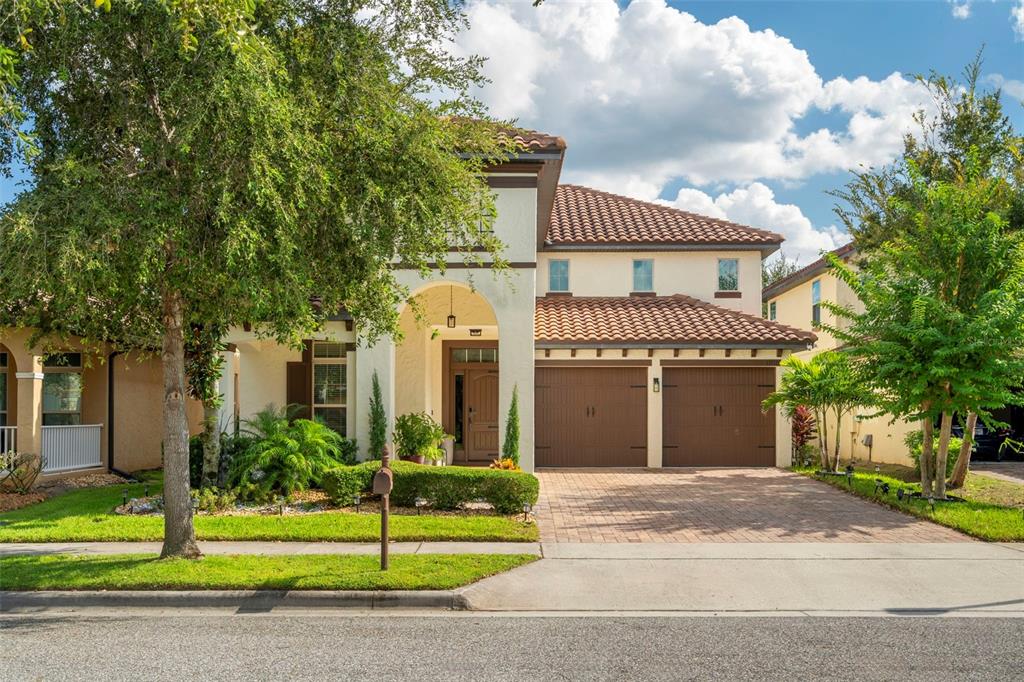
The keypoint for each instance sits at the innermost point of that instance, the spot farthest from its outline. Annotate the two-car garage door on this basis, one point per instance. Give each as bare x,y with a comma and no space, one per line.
597,416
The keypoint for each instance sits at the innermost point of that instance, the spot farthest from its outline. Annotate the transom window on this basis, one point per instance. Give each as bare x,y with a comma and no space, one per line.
62,389
816,301
728,274
558,275
643,275
474,355
330,385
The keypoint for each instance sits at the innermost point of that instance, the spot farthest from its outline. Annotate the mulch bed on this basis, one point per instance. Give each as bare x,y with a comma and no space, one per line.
12,501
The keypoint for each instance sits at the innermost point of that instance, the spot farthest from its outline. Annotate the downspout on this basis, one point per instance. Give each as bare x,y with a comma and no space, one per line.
110,418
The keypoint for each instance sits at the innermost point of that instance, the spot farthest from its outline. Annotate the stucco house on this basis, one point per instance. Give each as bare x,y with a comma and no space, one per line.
796,301
632,330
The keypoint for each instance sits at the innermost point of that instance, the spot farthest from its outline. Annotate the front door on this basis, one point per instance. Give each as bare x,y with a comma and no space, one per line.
481,415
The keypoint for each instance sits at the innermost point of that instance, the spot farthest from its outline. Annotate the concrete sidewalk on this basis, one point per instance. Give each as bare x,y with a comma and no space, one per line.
821,579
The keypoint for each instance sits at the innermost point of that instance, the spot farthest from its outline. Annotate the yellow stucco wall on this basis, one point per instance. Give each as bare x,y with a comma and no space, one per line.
793,308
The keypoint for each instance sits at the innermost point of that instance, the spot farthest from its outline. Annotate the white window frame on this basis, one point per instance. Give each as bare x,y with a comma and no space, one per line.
568,275
650,288
718,274
63,369
340,360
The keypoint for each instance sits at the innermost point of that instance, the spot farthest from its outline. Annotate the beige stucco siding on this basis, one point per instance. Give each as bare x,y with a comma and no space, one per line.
515,223
693,273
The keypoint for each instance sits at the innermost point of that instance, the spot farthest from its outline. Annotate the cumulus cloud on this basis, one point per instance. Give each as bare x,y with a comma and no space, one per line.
646,94
1017,19
961,10
755,205
1010,87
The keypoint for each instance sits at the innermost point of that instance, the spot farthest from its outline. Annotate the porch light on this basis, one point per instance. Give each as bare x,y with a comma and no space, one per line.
451,307
657,385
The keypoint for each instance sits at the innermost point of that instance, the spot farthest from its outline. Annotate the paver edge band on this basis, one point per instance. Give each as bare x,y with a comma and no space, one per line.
254,600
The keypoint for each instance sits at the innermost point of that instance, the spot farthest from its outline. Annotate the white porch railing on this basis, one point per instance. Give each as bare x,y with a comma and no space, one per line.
71,447
8,439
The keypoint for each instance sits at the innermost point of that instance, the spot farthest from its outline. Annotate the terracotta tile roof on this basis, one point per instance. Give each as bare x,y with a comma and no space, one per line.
803,274
584,216
535,140
663,320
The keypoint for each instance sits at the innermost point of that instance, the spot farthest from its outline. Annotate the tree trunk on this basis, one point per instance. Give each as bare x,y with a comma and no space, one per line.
928,434
963,461
822,441
839,436
211,443
945,431
179,534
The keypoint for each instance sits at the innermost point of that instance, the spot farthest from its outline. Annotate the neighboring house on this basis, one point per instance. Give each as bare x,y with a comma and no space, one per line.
632,331
796,301
82,411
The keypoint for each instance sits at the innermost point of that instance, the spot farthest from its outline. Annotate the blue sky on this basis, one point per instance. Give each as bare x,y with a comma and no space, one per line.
746,110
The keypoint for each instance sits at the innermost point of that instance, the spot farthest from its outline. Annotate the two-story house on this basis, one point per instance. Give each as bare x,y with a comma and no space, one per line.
796,301
631,331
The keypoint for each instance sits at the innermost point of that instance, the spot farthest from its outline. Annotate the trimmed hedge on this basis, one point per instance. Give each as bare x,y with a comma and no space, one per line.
442,487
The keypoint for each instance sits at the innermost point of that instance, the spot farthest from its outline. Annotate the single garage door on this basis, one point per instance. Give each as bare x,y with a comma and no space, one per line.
712,416
591,416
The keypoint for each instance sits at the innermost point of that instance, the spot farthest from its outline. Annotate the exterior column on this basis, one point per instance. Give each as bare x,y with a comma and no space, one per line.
30,404
655,452
783,430
379,357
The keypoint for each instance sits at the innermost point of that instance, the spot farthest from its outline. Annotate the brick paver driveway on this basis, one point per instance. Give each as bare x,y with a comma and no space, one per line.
714,505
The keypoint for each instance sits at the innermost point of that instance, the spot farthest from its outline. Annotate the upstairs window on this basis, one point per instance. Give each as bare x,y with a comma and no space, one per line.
771,310
728,274
643,275
816,301
558,275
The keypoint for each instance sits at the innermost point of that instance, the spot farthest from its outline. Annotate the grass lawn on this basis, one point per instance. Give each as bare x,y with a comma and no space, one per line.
303,572
86,516
976,516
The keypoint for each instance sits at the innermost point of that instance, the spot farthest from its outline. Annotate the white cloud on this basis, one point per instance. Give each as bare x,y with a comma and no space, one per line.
1010,87
755,205
961,10
1017,19
647,94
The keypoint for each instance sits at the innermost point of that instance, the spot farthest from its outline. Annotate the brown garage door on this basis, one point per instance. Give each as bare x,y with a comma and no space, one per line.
591,416
712,416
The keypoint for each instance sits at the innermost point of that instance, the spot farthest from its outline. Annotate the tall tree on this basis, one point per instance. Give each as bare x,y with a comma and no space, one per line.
966,130
942,330
207,163
773,270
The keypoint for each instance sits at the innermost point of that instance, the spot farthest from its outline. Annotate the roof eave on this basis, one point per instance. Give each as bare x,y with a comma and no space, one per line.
766,249
596,343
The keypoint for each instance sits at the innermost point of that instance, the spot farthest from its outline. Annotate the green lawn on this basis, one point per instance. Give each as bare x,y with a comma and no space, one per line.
976,517
305,572
86,516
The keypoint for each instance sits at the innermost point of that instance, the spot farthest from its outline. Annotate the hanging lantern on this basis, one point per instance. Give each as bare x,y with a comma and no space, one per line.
451,307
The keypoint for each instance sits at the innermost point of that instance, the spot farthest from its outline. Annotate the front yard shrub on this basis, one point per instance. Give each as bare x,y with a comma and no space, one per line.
443,488
418,435
343,483
451,487
214,500
289,458
914,441
19,471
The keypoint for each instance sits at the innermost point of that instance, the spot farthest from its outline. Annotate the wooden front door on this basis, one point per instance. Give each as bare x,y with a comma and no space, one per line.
591,416
712,417
481,415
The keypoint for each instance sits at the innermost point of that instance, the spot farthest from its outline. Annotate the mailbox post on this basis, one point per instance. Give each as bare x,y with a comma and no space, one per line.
383,481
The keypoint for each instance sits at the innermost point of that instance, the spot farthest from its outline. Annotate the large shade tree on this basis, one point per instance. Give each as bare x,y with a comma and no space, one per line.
942,326
965,127
198,164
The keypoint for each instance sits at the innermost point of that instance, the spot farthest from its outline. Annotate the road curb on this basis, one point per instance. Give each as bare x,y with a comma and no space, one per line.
246,601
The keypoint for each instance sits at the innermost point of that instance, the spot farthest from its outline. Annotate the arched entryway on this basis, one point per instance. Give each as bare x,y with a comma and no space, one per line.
447,365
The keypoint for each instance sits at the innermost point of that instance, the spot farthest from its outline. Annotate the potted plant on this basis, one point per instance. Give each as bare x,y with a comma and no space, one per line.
418,438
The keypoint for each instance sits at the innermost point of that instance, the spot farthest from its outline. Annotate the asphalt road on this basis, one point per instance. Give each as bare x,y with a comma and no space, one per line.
496,647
